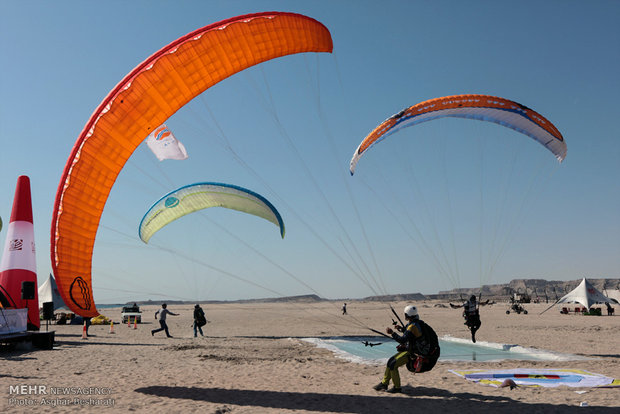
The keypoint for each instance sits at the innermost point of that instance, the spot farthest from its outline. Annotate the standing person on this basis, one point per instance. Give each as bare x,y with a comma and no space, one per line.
471,315
88,323
199,320
610,310
418,348
344,309
162,320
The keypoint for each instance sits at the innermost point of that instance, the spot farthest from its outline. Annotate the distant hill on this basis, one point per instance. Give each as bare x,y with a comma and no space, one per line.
300,298
537,288
396,297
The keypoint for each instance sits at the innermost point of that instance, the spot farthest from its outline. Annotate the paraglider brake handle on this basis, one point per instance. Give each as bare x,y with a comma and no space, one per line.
397,326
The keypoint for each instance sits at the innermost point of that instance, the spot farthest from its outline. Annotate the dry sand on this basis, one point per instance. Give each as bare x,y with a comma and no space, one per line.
251,361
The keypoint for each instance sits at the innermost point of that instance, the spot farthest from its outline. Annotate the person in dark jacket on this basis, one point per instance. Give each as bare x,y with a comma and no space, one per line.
199,320
418,348
471,313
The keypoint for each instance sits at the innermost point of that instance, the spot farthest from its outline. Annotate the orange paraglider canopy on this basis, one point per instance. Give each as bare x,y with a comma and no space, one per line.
142,101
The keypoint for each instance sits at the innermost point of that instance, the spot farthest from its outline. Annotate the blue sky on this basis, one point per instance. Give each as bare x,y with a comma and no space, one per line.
493,202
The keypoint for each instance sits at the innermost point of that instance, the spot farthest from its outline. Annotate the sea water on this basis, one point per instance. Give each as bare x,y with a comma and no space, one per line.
452,349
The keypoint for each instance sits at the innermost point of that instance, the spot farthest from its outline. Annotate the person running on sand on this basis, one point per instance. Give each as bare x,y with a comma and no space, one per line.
162,320
418,348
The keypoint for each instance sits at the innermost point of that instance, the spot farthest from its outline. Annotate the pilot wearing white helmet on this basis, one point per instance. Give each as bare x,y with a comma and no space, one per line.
418,348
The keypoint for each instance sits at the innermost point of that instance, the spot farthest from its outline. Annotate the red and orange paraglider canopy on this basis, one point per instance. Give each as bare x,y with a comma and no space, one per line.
142,101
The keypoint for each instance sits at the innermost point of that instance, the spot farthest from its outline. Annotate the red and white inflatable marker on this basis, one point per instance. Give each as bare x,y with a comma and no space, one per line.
18,263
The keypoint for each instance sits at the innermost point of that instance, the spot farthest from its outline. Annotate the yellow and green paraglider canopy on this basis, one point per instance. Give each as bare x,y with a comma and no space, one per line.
195,197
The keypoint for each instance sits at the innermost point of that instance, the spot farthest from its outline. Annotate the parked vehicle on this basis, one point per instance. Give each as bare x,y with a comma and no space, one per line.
516,307
131,314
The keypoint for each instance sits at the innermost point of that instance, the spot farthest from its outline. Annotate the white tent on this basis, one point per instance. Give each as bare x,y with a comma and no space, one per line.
586,294
612,294
48,292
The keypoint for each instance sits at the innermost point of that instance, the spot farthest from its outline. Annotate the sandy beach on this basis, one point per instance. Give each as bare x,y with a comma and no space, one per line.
252,360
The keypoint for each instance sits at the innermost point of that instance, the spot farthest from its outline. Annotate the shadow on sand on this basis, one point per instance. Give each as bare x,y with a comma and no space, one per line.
82,342
412,400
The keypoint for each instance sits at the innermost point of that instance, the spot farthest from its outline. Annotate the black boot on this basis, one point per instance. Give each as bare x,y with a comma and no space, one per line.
380,387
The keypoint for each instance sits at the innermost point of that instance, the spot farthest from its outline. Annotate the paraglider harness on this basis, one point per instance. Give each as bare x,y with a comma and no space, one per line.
472,316
471,313
423,351
199,316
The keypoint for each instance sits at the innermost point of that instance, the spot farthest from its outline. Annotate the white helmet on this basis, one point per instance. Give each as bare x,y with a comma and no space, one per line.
411,311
